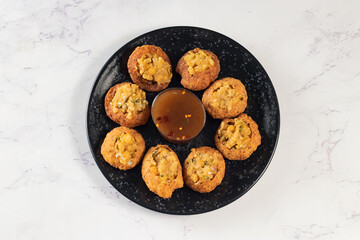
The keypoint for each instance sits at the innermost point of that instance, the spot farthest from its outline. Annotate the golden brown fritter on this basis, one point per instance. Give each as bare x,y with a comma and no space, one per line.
150,68
123,148
126,104
161,171
225,98
198,68
237,138
204,169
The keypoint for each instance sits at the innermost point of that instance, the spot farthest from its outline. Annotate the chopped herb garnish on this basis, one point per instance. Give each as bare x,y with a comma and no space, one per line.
155,153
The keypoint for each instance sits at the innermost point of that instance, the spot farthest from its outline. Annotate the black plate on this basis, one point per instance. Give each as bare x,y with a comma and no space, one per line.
235,62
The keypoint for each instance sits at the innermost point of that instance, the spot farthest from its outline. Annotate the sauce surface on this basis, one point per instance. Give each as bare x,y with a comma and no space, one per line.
178,114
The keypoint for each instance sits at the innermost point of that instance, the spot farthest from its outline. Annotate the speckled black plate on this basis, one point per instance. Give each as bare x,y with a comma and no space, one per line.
235,62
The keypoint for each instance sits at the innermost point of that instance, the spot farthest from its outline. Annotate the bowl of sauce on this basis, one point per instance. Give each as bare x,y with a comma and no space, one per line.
178,114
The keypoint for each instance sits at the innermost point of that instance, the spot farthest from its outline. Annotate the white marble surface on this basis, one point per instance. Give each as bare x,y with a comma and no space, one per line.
50,54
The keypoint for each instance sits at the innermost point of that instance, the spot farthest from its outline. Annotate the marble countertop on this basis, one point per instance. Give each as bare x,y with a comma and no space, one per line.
50,55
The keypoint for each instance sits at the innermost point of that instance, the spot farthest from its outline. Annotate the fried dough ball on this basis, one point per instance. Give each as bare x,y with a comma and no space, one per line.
198,68
204,169
150,68
161,170
123,148
126,104
225,98
237,138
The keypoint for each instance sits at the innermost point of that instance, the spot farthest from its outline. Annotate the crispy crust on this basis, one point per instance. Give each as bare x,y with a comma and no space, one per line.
199,80
154,182
138,119
220,113
240,154
145,84
108,147
208,185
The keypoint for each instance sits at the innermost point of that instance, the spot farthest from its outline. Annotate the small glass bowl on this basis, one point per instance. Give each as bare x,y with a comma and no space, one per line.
171,138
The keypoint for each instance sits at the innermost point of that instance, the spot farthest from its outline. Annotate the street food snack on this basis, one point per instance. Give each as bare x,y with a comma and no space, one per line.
126,104
161,170
225,98
237,138
198,68
150,68
204,169
123,148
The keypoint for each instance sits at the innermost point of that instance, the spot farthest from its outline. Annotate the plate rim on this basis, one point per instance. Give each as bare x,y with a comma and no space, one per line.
231,200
